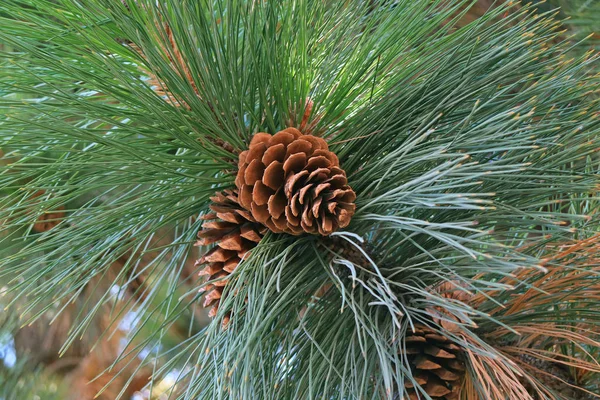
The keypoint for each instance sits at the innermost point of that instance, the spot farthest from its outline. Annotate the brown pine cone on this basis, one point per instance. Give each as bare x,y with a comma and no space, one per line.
234,232
437,364
452,290
292,183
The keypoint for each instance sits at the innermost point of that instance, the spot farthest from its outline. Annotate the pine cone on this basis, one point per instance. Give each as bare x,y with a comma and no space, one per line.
452,290
292,183
235,232
436,364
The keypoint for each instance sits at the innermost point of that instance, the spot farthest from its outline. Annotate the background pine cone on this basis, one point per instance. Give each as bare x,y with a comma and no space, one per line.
235,233
292,183
436,363
453,291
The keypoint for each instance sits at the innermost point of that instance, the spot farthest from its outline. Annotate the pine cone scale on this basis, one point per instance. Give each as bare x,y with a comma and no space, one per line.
211,269
215,225
436,387
246,197
437,352
426,363
276,204
232,241
254,172
260,212
281,224
294,163
213,295
248,233
273,154
262,193
219,255
230,265
274,175
290,184
446,374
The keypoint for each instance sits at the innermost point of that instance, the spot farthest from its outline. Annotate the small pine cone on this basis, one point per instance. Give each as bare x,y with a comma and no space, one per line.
234,232
437,364
292,183
452,290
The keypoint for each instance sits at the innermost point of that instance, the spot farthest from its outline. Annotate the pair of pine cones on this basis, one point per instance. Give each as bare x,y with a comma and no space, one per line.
286,183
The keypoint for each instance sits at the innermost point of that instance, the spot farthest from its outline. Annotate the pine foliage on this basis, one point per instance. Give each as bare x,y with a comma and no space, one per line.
471,149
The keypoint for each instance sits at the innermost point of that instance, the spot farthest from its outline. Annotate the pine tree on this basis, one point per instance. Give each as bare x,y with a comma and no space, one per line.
385,199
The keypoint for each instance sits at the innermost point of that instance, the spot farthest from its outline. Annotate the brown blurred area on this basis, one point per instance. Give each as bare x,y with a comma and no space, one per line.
87,366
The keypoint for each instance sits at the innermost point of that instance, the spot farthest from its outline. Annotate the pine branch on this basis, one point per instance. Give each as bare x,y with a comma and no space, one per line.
471,147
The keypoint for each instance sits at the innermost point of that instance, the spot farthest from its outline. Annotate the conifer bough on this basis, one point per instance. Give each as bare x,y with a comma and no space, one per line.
452,165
